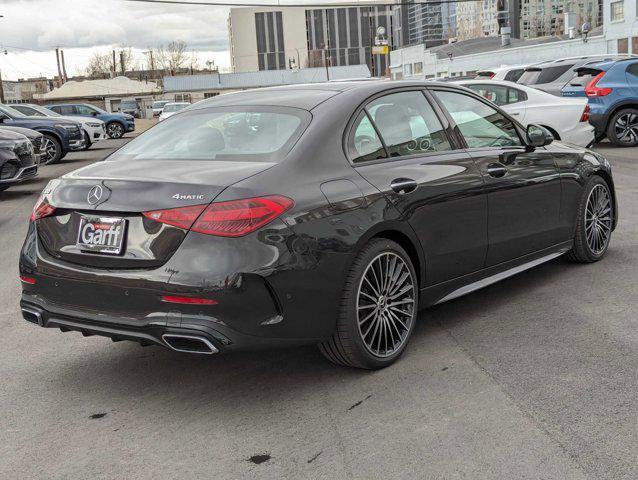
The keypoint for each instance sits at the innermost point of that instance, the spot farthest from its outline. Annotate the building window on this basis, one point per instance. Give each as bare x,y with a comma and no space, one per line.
634,45
407,69
210,94
183,97
418,68
623,45
617,11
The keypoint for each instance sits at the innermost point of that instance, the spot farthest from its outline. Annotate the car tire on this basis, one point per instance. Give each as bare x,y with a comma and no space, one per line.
367,319
52,148
87,140
115,130
594,222
622,129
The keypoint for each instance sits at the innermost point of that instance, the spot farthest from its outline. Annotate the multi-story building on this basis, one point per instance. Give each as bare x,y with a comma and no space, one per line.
276,38
430,23
541,18
485,18
526,18
621,26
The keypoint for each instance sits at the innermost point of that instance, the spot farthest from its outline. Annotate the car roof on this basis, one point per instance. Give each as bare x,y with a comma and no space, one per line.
306,96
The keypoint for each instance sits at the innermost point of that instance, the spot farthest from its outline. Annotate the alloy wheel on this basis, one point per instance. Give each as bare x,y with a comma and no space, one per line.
385,304
50,150
115,130
598,219
626,128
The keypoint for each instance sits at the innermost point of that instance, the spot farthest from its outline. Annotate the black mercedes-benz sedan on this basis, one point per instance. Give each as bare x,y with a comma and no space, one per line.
18,160
326,213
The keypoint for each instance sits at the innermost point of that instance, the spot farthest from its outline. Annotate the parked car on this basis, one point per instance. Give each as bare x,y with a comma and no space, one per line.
36,138
552,76
510,73
130,106
94,129
60,135
612,91
566,118
171,109
157,106
363,200
117,124
18,161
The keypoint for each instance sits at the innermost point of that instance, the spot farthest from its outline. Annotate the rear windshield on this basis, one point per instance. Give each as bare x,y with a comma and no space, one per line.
224,134
539,76
175,107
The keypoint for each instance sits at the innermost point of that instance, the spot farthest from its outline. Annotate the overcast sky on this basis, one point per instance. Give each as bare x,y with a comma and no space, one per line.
30,30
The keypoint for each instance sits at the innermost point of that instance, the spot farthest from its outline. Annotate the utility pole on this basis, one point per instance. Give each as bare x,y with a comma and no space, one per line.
1,89
57,59
152,62
64,78
114,67
122,61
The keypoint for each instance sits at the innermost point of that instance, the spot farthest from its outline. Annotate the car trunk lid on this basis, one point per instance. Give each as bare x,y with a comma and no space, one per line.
107,200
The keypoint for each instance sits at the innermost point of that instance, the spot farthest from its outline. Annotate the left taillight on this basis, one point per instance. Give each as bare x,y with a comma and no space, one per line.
233,218
42,209
585,116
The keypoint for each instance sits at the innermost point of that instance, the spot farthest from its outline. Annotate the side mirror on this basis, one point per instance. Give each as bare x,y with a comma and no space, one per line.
538,136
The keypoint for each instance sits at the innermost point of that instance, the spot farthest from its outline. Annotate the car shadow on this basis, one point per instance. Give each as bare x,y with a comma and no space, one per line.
157,375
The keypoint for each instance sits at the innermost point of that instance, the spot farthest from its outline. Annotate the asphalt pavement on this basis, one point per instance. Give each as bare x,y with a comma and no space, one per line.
534,377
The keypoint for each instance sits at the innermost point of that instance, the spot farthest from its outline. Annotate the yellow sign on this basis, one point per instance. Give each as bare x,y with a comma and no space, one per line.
380,50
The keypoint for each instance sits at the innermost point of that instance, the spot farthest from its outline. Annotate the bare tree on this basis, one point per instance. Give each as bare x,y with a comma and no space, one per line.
173,57
99,66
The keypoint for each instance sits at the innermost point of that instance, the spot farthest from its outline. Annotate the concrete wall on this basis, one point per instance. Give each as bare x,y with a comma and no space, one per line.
242,37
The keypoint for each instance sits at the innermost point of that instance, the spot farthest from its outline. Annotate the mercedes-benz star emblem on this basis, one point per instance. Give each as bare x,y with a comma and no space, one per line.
95,195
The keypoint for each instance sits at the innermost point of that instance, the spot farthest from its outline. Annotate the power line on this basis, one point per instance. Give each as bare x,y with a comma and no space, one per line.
300,5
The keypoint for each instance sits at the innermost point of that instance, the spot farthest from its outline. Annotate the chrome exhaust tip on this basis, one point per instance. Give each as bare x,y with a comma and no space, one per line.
189,344
32,316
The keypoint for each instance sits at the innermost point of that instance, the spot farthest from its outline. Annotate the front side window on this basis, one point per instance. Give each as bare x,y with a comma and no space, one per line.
480,124
407,124
230,134
84,110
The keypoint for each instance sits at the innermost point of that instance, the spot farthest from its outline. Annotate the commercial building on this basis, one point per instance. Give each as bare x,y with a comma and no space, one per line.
469,56
192,88
432,23
526,18
279,38
104,93
621,26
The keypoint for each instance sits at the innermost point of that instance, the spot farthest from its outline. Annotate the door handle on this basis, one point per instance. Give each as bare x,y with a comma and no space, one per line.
403,185
515,113
496,170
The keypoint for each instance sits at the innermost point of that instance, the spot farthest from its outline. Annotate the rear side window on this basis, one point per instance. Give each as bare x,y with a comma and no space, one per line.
364,143
539,76
499,94
253,134
480,124
633,70
407,124
514,75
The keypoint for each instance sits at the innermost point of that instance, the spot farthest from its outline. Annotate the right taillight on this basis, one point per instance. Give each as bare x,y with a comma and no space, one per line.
233,218
41,209
585,116
593,90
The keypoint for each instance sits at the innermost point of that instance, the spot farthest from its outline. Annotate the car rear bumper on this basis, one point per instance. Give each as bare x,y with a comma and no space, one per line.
582,135
599,122
155,331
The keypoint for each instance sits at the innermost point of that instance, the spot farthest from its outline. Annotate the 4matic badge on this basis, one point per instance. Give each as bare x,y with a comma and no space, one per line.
182,196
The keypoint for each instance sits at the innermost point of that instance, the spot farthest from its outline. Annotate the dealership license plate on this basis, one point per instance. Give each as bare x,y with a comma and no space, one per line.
101,234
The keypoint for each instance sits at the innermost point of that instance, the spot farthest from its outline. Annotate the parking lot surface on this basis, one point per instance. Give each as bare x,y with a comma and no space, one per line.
534,377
